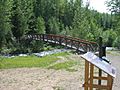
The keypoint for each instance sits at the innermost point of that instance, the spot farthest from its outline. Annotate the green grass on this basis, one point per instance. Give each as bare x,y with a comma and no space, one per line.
64,65
29,61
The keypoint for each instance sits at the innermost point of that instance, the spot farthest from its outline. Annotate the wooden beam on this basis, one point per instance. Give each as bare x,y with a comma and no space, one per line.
101,78
86,74
91,75
97,86
110,82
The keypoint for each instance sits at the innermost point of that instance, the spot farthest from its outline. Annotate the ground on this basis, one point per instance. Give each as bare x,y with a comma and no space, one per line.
115,59
50,79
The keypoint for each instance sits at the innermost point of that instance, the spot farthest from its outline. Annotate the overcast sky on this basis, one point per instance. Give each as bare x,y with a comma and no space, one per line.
98,5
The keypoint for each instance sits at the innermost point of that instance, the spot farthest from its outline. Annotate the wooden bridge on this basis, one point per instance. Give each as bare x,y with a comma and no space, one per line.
74,43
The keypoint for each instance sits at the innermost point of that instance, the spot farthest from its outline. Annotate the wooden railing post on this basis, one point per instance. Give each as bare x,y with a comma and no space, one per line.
43,37
60,41
66,41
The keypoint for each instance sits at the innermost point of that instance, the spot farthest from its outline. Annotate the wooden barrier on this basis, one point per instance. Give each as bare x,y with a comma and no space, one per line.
92,61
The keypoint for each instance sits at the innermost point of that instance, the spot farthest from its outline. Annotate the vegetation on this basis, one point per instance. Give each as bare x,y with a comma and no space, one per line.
64,65
63,17
29,61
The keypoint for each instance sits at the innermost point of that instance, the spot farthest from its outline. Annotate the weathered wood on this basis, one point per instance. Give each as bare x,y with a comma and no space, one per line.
110,82
97,86
91,76
94,60
100,78
86,74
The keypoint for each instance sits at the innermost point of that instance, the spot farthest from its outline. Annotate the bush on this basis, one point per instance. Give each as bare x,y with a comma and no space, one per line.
117,42
108,37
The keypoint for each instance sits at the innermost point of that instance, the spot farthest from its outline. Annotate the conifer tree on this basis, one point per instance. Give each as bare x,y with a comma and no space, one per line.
40,26
5,25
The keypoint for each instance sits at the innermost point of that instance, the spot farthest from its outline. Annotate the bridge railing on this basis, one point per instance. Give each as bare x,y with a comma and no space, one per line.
76,43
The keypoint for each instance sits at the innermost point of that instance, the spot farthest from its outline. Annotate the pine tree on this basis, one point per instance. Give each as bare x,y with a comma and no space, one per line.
21,18
80,23
53,26
40,27
114,7
5,25
18,20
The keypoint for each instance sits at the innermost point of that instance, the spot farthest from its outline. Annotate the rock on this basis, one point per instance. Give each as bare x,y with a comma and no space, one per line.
22,55
44,53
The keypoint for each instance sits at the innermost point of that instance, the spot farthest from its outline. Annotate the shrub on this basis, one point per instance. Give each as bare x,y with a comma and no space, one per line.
116,43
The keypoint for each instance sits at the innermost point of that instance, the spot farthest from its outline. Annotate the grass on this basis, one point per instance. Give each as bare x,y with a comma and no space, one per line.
29,61
64,65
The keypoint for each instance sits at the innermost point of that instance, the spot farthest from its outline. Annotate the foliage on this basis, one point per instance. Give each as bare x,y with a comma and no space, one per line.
64,17
36,46
53,25
108,37
114,7
40,25
19,20
5,22
29,61
64,65
117,42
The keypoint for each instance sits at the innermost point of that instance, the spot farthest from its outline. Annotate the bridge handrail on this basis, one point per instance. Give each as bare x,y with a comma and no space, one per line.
65,39
76,39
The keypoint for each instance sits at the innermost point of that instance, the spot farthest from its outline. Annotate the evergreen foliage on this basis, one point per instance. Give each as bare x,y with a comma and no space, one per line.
64,17
5,22
40,26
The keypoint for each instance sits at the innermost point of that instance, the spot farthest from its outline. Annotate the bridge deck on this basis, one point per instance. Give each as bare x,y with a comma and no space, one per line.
74,43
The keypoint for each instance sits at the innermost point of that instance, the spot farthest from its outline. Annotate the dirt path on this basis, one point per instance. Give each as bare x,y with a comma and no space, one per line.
115,59
39,79
44,79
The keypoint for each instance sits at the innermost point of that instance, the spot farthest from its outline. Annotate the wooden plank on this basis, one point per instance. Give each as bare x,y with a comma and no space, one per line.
97,86
101,78
86,74
101,64
110,82
91,76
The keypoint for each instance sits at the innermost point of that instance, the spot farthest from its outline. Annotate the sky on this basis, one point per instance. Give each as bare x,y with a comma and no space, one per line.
98,5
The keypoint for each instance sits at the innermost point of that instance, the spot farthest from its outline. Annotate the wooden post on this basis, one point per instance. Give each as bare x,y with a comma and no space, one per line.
86,47
66,41
91,76
71,43
110,82
43,36
60,41
100,56
86,74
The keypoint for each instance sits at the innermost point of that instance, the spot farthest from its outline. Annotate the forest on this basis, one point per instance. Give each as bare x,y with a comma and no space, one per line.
61,17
